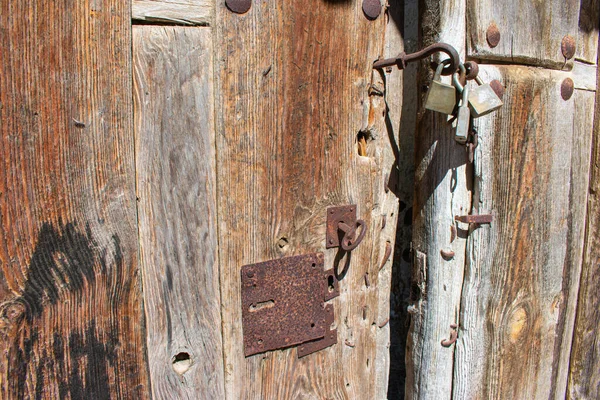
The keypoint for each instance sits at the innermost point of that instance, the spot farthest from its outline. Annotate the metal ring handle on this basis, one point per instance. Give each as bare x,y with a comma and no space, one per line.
349,243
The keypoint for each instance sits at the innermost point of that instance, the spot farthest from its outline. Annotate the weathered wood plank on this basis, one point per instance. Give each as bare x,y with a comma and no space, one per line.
289,112
522,271
175,148
71,321
589,25
530,31
198,12
442,190
584,372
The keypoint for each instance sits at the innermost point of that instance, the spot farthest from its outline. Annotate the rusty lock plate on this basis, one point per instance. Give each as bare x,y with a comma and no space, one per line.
283,304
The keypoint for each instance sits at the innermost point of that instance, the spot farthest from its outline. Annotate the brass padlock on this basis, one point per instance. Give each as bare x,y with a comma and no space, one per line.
464,115
441,97
483,100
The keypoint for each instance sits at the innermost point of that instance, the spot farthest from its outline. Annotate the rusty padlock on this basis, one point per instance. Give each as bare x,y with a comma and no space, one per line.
483,100
441,97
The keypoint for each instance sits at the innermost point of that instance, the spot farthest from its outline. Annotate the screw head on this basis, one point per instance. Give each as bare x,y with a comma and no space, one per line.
567,46
566,89
493,35
238,6
371,8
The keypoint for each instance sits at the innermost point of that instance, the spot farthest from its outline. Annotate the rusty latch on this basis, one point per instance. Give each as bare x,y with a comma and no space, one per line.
283,305
475,218
342,226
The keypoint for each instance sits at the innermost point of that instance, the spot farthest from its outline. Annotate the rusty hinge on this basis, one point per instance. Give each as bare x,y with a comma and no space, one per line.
283,305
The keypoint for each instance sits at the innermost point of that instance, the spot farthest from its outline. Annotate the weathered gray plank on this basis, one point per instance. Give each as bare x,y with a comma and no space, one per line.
584,373
174,124
530,31
442,182
71,319
292,95
522,271
589,24
198,12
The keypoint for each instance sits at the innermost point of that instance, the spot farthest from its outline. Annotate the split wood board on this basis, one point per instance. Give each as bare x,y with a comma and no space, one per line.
292,94
176,186
584,373
71,321
522,272
197,12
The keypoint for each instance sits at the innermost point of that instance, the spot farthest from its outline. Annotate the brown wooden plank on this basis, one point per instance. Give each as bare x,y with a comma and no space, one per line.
174,124
522,271
71,322
292,95
197,12
531,32
584,373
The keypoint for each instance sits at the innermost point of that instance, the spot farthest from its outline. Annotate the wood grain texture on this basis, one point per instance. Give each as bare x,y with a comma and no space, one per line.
522,270
530,31
175,147
584,373
589,25
71,321
198,12
292,95
442,190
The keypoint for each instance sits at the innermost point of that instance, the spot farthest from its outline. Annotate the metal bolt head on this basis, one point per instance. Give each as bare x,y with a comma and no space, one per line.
566,89
238,6
567,46
493,35
497,87
371,8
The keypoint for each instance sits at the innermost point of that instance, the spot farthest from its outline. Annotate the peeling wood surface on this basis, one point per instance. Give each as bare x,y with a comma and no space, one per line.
199,12
442,190
530,31
292,95
522,271
584,374
71,321
176,182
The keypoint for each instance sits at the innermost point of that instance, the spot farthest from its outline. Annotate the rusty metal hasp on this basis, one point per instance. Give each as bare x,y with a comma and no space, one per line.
283,305
342,227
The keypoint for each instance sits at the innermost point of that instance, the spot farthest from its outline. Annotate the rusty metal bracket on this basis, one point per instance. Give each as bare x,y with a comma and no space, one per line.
342,226
404,58
475,218
283,305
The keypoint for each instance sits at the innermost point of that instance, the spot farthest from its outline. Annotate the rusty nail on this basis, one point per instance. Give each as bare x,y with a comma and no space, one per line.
238,6
349,343
386,255
474,219
367,282
453,336
447,254
452,233
498,87
384,323
493,35
371,8
567,46
566,88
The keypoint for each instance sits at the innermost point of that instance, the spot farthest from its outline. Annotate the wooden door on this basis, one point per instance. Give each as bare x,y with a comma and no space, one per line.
521,289
147,155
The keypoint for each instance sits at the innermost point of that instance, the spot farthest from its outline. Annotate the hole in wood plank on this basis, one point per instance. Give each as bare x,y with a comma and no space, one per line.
361,139
261,305
182,363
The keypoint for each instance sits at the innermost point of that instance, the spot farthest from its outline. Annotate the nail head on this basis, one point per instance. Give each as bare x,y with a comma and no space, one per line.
567,46
238,6
493,35
371,8
566,88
